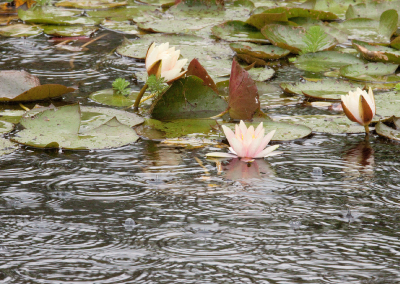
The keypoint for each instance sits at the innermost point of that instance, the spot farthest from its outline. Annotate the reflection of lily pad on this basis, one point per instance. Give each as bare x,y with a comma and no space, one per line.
50,129
20,30
284,131
91,4
238,31
69,30
327,89
264,52
374,72
292,38
187,98
377,53
386,131
325,61
18,86
325,123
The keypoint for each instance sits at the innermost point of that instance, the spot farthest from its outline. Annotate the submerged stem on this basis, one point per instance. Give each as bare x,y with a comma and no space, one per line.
366,127
139,97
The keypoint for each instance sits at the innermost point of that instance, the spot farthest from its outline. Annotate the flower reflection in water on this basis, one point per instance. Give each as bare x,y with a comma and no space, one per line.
359,161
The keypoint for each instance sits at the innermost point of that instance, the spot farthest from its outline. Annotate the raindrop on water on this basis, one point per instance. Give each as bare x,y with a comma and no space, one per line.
317,172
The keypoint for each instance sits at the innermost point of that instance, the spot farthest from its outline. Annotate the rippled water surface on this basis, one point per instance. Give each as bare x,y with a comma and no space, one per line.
325,211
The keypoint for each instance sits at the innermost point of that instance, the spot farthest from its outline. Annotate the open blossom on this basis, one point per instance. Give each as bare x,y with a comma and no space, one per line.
162,61
359,106
247,143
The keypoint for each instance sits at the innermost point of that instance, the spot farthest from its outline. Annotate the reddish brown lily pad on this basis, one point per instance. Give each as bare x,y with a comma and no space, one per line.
196,69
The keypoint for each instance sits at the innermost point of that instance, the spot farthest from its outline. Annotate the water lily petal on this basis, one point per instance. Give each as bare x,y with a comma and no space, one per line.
221,155
265,141
266,152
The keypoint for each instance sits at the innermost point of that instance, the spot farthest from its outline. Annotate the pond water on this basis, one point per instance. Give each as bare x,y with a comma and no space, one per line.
325,211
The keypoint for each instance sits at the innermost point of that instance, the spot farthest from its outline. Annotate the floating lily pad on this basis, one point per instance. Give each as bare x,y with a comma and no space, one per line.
386,131
327,89
377,53
69,31
55,16
371,30
20,30
91,4
303,12
292,38
187,98
12,116
250,60
18,86
265,52
121,14
50,129
387,105
338,7
260,20
107,97
7,147
371,9
238,31
261,74
325,61
5,126
325,123
284,131
120,27
374,72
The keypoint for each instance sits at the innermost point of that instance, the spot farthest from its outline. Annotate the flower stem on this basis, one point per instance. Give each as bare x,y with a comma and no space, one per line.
148,97
139,97
366,129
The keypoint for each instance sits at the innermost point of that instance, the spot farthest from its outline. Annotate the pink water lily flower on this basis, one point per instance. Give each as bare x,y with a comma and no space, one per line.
247,143
164,59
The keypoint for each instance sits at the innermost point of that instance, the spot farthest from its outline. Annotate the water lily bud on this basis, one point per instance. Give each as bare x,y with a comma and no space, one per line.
359,106
162,61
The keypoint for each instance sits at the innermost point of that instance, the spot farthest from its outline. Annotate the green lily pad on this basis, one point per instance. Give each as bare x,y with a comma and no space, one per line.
5,126
261,74
91,4
284,131
55,16
371,30
386,131
50,129
338,7
371,9
120,27
333,124
19,86
303,12
326,90
238,31
12,116
325,61
395,43
107,97
387,105
187,98
121,14
7,147
374,72
69,30
250,60
260,20
265,52
292,38
20,30
377,53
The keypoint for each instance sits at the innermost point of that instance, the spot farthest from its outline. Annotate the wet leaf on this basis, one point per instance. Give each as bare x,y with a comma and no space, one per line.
386,131
50,129
187,98
107,97
12,116
260,20
325,61
303,12
261,74
243,94
69,31
374,72
265,52
91,4
326,89
387,105
292,38
121,14
120,27
20,30
377,53
371,9
238,31
5,126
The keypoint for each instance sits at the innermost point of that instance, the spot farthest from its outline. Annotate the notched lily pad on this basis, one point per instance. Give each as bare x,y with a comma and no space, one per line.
325,123
187,98
238,31
374,72
326,90
325,61
264,52
386,131
376,52
292,38
20,30
107,97
19,86
50,129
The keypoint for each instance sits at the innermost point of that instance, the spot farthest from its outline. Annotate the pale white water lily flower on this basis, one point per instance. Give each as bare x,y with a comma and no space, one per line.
170,65
359,106
247,143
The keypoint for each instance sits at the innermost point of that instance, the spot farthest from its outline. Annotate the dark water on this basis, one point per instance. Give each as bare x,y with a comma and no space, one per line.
325,211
